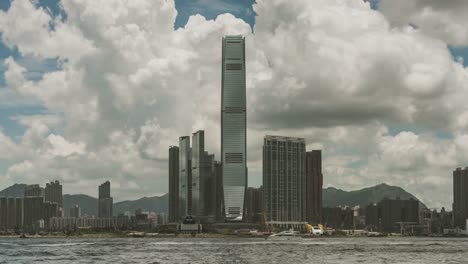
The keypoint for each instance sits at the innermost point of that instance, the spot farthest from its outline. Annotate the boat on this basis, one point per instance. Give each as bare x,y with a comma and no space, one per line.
286,235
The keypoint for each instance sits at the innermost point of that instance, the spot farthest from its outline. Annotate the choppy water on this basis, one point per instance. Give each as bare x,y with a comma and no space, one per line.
234,250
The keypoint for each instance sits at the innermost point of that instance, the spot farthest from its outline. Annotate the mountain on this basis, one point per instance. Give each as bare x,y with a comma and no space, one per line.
155,204
335,197
88,204
331,197
16,190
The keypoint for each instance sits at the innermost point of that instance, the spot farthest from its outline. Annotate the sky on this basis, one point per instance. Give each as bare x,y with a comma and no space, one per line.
95,90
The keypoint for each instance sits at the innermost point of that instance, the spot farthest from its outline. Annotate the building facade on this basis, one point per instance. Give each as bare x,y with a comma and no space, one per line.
314,182
233,126
105,202
460,196
33,190
75,211
53,194
33,207
388,214
254,205
173,184
185,177
284,179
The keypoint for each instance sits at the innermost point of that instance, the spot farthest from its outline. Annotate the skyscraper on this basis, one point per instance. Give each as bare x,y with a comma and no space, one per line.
314,182
105,203
185,177
233,126
198,172
284,182
460,196
75,211
173,183
53,193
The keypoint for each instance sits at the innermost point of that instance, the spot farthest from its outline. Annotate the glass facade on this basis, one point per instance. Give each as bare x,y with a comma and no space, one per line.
185,177
233,126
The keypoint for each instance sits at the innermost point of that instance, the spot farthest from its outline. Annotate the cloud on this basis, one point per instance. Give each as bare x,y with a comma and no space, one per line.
445,20
334,72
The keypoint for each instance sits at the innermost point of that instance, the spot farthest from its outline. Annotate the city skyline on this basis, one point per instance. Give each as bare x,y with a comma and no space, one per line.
378,91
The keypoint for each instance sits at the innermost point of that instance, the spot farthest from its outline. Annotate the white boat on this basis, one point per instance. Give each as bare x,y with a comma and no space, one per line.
286,235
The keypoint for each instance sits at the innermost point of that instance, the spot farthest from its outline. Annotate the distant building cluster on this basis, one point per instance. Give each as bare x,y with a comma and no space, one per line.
42,209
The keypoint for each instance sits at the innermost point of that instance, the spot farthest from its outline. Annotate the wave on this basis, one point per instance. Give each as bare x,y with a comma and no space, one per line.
61,244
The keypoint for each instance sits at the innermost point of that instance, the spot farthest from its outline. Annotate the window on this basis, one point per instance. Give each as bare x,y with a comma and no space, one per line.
233,66
234,158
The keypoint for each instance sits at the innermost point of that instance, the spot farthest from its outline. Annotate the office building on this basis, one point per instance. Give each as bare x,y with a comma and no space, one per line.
254,205
389,214
174,184
203,178
460,196
33,190
53,194
185,177
198,173
75,211
338,217
233,126
314,182
105,203
284,179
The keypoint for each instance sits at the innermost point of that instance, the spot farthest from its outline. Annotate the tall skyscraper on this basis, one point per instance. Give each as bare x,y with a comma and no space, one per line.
185,177
173,184
284,182
198,172
53,193
254,205
233,126
460,196
314,182
105,203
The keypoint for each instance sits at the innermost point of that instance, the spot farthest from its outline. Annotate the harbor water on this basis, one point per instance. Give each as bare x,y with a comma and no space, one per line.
234,250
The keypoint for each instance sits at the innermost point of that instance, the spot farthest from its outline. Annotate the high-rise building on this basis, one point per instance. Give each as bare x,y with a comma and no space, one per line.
314,182
33,190
105,203
53,194
11,202
33,207
284,179
233,126
198,173
3,213
460,196
219,206
174,184
254,205
19,212
185,177
203,178
75,211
